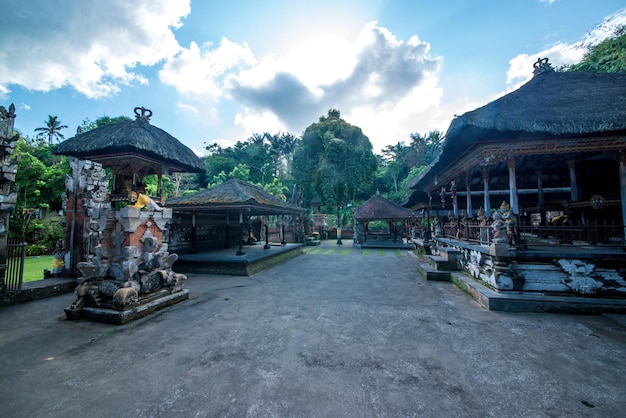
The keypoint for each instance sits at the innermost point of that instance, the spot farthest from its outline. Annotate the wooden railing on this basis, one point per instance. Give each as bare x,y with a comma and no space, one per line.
611,234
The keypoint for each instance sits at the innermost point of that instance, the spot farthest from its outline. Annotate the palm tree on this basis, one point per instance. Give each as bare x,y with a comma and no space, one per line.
51,130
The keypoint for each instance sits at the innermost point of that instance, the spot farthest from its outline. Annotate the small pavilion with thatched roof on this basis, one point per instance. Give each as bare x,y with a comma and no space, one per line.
395,219
220,216
133,150
208,224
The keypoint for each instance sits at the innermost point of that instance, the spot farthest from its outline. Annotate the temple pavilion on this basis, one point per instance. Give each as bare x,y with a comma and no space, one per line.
545,163
393,223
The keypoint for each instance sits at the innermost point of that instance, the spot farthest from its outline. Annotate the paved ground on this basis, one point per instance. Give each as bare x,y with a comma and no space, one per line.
335,332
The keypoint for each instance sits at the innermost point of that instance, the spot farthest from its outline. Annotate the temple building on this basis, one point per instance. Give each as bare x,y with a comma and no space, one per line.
539,171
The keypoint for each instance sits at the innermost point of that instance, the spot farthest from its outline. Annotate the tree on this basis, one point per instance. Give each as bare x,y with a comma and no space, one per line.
609,56
281,148
334,161
424,149
88,125
51,131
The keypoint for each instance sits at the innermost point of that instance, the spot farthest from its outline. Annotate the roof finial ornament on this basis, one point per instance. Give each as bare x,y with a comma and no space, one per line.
542,66
145,114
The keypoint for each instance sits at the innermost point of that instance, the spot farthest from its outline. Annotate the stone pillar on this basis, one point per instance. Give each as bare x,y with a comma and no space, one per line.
540,198
622,187
8,196
513,187
571,164
468,188
486,200
87,220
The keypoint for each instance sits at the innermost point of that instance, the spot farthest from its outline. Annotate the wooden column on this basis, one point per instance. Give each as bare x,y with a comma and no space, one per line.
571,164
194,239
267,232
622,187
540,198
513,187
455,203
486,201
468,188
227,238
240,251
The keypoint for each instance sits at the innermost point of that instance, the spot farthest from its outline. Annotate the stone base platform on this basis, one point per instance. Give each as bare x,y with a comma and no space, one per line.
512,301
226,261
150,304
38,289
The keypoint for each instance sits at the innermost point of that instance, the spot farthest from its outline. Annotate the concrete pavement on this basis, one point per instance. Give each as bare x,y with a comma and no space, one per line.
333,332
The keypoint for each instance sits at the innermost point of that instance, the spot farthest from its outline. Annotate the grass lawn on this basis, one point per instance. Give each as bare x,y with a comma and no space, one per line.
34,266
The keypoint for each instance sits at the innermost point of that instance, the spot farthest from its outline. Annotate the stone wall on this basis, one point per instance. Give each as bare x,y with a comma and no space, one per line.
504,269
8,170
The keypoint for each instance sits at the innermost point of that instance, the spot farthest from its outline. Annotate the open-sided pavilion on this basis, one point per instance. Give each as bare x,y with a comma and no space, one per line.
554,152
207,227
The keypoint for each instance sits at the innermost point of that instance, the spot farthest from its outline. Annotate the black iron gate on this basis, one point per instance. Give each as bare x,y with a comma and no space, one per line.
16,252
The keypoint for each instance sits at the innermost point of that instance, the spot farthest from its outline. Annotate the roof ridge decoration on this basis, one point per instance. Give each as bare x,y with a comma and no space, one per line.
145,114
542,66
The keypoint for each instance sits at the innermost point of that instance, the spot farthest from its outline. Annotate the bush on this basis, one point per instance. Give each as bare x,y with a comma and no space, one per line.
40,234
36,249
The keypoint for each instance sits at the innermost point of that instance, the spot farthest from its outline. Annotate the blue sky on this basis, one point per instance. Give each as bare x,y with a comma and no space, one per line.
219,71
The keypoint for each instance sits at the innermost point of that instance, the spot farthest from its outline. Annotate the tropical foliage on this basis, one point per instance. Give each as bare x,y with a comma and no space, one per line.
608,56
51,131
334,162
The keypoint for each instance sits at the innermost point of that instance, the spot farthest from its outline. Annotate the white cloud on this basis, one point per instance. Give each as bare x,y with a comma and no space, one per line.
92,47
561,54
378,82
251,122
198,71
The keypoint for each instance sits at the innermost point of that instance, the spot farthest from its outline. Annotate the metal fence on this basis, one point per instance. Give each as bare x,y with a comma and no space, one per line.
16,252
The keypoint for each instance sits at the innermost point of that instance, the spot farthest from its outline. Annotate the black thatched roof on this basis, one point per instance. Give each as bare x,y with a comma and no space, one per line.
554,103
234,195
550,106
418,199
379,208
132,139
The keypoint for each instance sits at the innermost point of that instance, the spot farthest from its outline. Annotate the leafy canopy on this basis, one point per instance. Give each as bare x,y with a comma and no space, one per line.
333,161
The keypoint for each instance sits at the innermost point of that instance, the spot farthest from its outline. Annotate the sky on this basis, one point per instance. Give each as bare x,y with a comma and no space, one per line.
215,71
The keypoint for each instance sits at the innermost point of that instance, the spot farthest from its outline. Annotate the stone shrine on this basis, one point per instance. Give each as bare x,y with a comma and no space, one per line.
115,235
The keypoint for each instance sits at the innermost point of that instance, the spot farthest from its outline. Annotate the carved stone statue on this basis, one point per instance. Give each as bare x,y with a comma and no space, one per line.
499,229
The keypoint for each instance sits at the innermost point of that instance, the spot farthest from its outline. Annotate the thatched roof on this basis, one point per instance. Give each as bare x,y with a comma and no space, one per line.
417,200
379,208
234,195
550,106
554,103
129,140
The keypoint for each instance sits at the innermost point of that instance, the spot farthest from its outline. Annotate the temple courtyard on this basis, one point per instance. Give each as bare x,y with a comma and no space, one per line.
336,331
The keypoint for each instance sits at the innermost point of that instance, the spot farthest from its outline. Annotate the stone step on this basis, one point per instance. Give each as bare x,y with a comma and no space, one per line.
429,273
442,264
449,254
